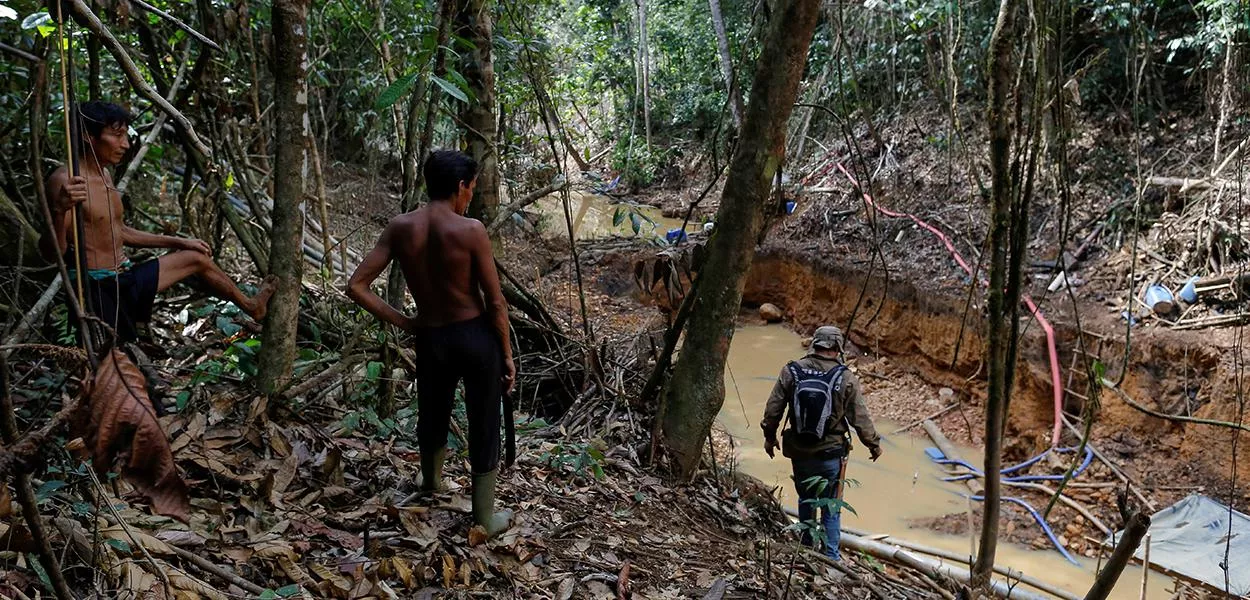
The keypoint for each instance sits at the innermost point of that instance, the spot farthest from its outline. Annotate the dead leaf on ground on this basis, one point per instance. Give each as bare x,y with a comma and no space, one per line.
122,425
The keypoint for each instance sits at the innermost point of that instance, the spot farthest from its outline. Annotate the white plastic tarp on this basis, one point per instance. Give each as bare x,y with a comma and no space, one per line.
1191,537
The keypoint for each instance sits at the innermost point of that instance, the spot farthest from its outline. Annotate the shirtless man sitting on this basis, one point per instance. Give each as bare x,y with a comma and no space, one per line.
119,292
461,326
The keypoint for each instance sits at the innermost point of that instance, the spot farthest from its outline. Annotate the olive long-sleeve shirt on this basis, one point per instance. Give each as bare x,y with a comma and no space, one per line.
853,408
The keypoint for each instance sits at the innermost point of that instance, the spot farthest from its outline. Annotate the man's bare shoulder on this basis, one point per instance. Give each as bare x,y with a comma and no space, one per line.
59,177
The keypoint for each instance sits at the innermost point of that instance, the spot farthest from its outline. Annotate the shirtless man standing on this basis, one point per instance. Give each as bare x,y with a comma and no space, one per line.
461,326
119,292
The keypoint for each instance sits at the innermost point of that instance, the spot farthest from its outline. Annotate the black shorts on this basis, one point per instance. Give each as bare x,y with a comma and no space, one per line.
123,301
468,351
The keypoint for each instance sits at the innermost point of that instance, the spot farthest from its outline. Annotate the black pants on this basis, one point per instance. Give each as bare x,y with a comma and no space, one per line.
123,301
469,351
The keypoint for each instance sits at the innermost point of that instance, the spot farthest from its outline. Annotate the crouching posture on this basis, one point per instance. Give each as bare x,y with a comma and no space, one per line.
824,402
461,325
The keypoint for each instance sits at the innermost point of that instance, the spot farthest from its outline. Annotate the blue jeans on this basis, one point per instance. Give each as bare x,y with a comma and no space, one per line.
831,517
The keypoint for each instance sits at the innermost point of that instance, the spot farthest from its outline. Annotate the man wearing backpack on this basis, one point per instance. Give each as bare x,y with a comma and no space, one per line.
821,399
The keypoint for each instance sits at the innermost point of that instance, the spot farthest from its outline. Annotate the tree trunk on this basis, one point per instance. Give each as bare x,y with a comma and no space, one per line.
473,23
1135,529
726,63
286,260
644,60
1001,76
18,237
697,388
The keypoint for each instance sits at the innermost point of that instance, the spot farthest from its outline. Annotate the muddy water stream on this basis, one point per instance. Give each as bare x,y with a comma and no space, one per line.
902,486
593,217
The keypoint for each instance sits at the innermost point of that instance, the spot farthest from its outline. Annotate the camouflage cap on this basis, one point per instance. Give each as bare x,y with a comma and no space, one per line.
827,337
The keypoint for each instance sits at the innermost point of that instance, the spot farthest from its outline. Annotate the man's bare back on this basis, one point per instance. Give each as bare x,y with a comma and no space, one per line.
438,251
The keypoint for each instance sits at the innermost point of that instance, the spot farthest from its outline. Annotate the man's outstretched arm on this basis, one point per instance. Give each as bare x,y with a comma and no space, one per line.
358,286
496,305
141,239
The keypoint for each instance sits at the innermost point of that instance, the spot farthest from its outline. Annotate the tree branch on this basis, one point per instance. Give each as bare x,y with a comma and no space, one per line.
530,198
1177,418
22,54
132,74
179,23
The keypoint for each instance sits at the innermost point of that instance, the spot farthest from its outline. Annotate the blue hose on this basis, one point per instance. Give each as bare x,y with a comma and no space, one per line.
975,472
938,457
1040,521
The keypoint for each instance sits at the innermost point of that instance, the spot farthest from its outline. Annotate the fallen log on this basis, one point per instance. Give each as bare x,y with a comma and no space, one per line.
1185,184
935,569
947,448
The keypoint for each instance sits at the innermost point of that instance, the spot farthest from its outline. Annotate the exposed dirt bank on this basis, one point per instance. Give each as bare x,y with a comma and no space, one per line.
919,330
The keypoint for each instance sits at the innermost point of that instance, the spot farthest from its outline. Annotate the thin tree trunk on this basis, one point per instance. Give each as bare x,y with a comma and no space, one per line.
697,388
1001,76
644,56
1135,529
726,64
473,23
286,261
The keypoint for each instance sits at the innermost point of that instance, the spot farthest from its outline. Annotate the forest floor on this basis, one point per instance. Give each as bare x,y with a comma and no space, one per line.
309,494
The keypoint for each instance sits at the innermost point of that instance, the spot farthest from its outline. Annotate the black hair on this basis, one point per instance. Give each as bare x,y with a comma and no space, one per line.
445,170
96,116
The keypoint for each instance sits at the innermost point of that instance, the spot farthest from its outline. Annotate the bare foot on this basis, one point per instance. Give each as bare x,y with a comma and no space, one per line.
261,299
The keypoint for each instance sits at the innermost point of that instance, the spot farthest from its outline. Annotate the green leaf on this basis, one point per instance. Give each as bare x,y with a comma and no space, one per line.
618,217
119,544
635,221
374,370
268,595
288,591
48,488
227,325
451,89
183,397
230,180
395,91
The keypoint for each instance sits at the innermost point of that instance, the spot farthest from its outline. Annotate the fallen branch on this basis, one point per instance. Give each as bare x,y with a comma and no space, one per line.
936,570
220,572
132,74
506,212
179,24
317,380
1185,184
1175,418
922,420
36,312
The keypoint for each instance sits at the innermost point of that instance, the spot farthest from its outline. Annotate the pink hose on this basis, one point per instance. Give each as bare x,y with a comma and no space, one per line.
1055,381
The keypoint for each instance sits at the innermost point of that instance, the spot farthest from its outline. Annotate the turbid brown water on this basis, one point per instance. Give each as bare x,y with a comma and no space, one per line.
903,486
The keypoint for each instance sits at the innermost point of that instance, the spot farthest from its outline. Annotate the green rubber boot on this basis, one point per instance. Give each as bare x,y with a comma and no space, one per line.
484,513
432,471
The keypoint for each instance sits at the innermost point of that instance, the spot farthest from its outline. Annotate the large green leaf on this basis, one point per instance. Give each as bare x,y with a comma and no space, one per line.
451,89
395,91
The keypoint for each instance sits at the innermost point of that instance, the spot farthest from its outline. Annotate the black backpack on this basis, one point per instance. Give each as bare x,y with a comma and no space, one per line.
817,395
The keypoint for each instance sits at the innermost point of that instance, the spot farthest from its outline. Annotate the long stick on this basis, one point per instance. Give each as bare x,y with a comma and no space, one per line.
179,23
71,158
